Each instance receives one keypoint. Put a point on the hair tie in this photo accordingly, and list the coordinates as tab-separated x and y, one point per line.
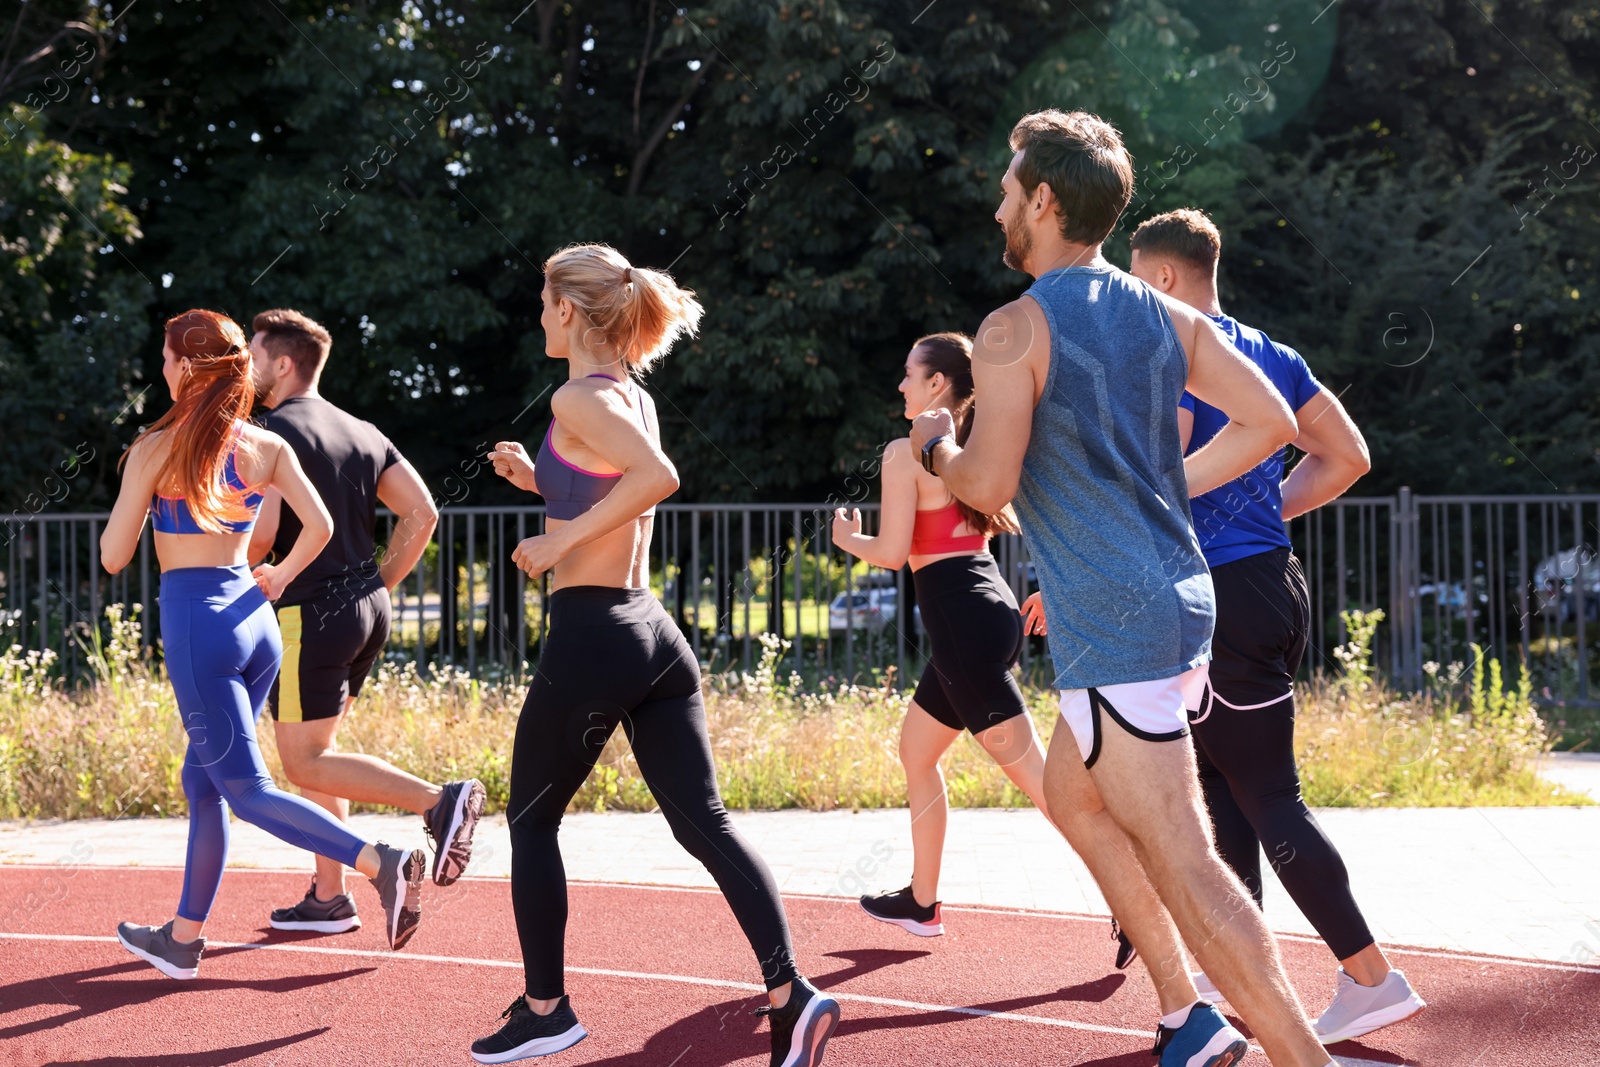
627	275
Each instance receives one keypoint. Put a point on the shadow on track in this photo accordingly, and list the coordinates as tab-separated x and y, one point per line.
214	1058
96	990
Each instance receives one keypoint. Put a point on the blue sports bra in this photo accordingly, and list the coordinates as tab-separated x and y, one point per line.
170	514
568	490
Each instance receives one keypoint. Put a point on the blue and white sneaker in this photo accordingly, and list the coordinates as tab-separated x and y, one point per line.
1205	1040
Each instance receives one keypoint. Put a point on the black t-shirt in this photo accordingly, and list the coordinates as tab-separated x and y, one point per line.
343	457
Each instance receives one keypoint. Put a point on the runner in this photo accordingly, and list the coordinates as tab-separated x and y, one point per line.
1244	734
1077	387
335	614
615	656
972	624
199	472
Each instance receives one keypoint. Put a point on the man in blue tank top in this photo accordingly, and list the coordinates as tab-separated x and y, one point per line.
1244	734
1077	390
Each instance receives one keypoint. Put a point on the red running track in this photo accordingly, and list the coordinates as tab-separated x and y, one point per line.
662	978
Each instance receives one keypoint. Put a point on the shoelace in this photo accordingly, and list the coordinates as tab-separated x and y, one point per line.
509	1011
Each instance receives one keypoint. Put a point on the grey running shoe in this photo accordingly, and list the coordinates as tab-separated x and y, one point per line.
801	1028
155	946
1357	1009
319	916
399	886
450	824
526	1034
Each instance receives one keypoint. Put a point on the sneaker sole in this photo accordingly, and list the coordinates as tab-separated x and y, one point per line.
1223	1050
910	926
405	918
811	1032
182	974
472	799
1376	1020
539	1046
318	926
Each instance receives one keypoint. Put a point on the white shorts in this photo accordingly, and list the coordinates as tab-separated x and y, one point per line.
1151	711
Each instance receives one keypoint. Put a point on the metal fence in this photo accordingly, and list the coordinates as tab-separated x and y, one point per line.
1518	576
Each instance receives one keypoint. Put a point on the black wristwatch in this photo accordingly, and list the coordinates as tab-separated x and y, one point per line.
927	453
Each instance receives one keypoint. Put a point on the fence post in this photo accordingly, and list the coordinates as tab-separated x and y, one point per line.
1407	601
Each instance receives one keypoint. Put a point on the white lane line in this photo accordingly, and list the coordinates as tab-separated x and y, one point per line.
641	976
976	909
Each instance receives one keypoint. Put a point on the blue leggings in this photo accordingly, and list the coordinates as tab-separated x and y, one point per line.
222	650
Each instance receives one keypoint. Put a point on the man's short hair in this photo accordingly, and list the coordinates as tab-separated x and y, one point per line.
301	338
1187	234
1082	158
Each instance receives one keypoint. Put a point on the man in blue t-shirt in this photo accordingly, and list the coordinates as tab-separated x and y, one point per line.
1244	731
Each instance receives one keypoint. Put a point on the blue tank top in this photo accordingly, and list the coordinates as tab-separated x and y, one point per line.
1103	501
569	490
171	515
1245	517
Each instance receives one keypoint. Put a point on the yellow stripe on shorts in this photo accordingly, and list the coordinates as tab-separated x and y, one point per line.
289	673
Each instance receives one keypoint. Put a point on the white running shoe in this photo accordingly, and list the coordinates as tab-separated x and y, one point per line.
1206	989
1357	1009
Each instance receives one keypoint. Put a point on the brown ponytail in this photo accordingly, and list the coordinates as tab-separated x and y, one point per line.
640	312
217	394
950	354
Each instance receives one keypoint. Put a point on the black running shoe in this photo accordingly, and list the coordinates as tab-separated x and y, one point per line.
902	909
526	1034
1126	953
319	916
399	886
801	1028
450	824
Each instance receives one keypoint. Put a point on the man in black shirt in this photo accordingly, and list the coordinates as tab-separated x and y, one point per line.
335	614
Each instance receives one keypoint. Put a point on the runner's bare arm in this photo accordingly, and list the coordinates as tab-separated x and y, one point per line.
316	525
266	529
1010	357
120	539
1259	419
896	517
1336	456
402	490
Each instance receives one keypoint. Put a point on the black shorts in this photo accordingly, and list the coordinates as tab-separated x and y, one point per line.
1263	620
975	632
329	645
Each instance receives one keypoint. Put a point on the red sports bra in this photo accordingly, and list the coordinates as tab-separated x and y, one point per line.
934	531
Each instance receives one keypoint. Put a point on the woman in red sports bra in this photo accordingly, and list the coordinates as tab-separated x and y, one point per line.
971	619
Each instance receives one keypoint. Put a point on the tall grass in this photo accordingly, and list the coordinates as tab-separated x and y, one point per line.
114	746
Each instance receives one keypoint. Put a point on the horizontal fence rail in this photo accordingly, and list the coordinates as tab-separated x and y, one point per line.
1516	576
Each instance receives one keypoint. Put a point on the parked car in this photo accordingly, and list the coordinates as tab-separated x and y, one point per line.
1556	581
865	609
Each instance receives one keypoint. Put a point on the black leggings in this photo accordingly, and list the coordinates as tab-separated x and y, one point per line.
615	656
1244	742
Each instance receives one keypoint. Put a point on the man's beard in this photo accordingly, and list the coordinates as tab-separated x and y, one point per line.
1019	243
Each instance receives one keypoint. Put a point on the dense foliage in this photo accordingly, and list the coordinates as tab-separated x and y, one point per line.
1407	190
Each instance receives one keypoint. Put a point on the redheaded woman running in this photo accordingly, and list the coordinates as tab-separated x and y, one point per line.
199	472
614	656
971	620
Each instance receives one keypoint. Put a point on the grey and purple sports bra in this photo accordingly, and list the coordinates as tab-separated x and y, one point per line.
569	490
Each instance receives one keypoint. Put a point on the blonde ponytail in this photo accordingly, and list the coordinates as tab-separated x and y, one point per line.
640	312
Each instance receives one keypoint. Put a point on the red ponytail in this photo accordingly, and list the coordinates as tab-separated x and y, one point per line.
216	396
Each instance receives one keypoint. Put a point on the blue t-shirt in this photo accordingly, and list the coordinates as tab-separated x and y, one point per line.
1245	516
